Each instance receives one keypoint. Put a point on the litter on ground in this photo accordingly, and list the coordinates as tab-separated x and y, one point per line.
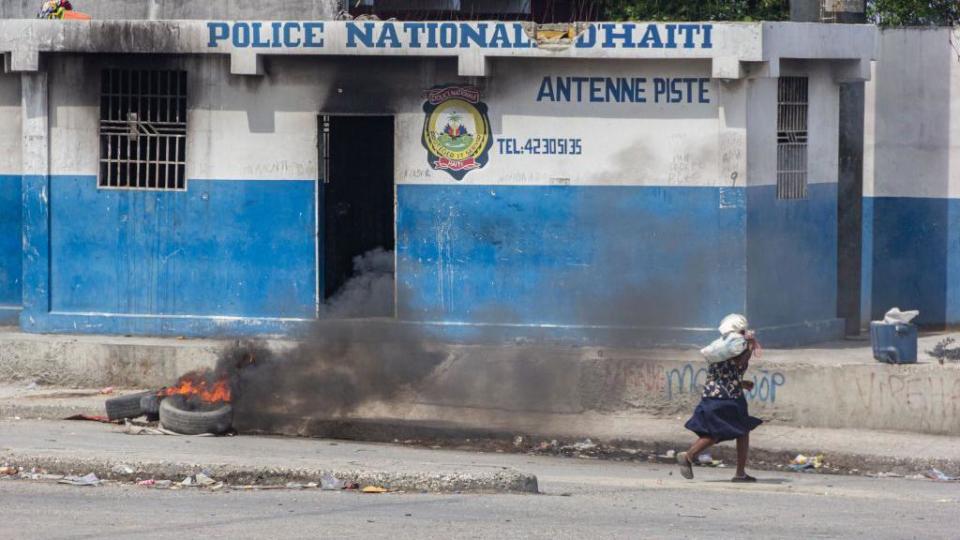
331	483
939	476
90	418
88	480
805	463
122	469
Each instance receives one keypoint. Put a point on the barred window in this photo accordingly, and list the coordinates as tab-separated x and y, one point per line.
792	104
143	129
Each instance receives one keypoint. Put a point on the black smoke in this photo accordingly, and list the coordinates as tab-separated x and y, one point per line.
350	357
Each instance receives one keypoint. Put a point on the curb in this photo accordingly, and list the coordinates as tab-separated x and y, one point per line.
51	411
504	481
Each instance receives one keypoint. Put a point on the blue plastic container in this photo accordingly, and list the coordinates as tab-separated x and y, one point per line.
894	343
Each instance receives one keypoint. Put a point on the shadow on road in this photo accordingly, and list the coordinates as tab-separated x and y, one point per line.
775	481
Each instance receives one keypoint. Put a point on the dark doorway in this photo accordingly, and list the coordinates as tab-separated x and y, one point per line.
356	181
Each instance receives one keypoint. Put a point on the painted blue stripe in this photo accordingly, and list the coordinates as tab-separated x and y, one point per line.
602	264
915	260
866	263
953	263
221	248
570	255
10	248
617	264
35	214
792	254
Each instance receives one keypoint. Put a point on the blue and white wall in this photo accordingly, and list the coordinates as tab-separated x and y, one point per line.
792	244
233	253
10	169
911	208
664	222
656	231
627	238
236	253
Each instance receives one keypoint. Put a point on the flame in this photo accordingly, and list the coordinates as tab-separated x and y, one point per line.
196	384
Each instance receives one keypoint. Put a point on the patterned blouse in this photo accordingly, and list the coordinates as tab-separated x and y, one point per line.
723	378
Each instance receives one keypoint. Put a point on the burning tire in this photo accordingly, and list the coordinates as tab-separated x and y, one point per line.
175	415
150	404
127	406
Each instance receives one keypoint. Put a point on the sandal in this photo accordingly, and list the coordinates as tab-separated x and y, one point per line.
686	468
746	478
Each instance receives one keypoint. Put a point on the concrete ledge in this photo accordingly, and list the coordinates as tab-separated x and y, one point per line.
85	361
9	315
242	475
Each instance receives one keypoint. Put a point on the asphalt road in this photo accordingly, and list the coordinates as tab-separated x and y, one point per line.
581	499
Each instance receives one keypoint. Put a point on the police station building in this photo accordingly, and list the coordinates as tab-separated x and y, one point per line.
627	183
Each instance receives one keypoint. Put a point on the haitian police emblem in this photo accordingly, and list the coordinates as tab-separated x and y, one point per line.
456	130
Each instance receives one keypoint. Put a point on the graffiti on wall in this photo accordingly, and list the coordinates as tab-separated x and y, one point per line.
926	401
456	130
689	380
686	381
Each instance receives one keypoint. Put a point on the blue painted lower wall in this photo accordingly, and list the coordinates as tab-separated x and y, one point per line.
600	264
914	257
120	261
866	263
792	263
10	248
571	260
610	264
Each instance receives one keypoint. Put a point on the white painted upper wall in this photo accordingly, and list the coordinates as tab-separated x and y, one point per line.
652	143
817	41
823	121
762	126
912	115
10	134
954	157
822	124
236	131
263	128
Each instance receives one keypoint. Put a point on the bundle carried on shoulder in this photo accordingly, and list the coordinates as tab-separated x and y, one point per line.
725	348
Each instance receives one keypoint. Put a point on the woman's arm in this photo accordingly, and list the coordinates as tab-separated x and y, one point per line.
743	360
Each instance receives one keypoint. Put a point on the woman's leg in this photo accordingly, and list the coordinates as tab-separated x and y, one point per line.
699	446
685	459
743	449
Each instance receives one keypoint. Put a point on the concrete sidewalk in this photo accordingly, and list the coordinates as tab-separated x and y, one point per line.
623	435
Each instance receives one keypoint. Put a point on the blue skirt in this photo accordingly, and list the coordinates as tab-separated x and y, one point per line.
722	419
